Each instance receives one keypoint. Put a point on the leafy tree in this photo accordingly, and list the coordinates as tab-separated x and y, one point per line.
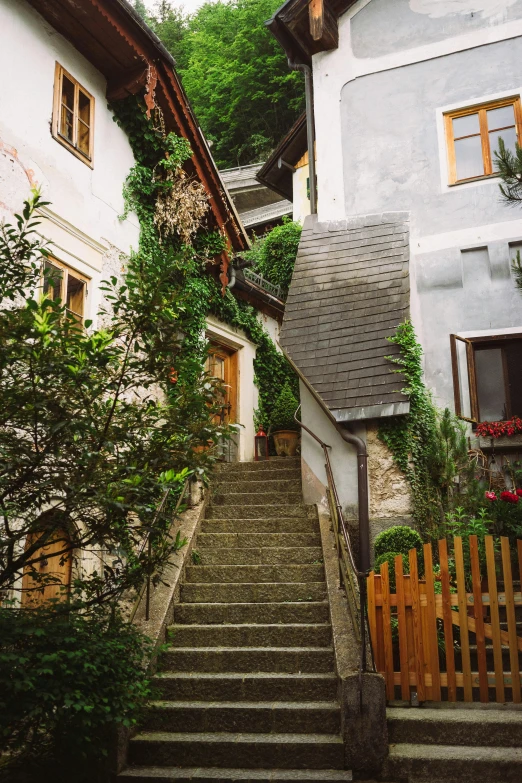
509	165
274	254
85	445
235	74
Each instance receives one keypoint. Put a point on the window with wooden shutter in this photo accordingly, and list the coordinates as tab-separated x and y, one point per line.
472	137
73	115
68	285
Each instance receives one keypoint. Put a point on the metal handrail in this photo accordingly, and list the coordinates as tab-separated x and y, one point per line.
359	622
145	588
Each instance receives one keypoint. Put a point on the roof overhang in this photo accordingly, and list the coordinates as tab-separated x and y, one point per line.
276	172
306	27
112	36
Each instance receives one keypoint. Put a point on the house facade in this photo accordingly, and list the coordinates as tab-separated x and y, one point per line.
64	62
410	99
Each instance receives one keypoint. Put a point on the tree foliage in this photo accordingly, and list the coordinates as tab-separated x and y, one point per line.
274	254
86	446
235	74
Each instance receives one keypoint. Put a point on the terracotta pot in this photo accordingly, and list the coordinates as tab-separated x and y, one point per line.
285	442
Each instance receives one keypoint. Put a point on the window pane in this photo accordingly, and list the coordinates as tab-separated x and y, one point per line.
491	390
468	155
465	126
53	278
68	93
84	108
83	138
501	118
66	123
509	137
514	364
462	361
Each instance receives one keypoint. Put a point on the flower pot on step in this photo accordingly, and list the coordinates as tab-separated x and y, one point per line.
285	442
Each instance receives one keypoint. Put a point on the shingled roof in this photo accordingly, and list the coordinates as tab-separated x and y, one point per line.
349	292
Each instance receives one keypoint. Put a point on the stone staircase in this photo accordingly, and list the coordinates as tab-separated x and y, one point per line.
455	744
248	687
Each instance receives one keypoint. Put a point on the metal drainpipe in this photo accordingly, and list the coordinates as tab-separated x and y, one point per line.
232	279
310	130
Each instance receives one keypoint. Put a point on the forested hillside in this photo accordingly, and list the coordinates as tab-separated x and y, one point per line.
234	72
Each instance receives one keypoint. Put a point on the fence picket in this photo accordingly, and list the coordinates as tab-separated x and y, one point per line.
431	622
386	620
511	619
446	617
479	618
417	625
463	618
403	633
495	619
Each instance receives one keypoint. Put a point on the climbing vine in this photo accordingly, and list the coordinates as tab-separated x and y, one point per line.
181	231
415	440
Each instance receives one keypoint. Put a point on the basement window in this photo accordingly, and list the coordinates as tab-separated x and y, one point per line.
472	137
487	377
70	287
73	115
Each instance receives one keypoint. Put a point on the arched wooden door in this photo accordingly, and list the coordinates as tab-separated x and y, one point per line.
222	364
54	564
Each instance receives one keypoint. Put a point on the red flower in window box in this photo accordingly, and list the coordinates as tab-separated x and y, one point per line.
509	497
519	492
495	429
490	496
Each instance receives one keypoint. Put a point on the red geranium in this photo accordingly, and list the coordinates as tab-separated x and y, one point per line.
495	429
519	492
509	497
490	495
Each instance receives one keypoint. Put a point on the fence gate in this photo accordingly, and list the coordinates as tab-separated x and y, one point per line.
452	635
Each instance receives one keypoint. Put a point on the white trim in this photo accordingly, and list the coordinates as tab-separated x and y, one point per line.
498	332
469	238
45	212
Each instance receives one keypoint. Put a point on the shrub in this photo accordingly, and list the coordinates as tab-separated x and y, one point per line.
284	410
274	254
66	682
389	557
400	539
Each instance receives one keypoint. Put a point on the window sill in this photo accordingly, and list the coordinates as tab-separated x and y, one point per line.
493	444
64	143
483	177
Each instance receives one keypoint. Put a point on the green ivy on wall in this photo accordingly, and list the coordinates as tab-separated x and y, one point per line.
157	155
414	439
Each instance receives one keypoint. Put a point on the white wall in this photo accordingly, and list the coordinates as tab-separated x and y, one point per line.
85	202
300	200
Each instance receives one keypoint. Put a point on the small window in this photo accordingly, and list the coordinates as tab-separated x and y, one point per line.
73	115
487	377
61	282
472	136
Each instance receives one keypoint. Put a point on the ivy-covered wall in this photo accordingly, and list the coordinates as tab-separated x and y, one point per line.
173	220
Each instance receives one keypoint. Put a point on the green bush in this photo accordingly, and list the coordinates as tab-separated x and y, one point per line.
283	413
389	557
399	538
67	681
274	255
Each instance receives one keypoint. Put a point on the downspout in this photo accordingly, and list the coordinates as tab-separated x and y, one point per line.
232	278
310	129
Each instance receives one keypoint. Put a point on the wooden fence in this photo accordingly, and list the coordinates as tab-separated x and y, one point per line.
451	636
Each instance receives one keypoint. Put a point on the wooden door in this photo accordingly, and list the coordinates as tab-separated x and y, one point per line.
222	364
54	564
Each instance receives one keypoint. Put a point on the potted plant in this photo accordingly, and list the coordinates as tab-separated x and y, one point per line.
285	429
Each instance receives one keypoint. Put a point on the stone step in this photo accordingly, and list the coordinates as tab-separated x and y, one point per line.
210	775
262	511
249	751
478	727
231	541
252	593
242	716
453	764
249	659
266	555
280	464
246	686
280	635
258	613
257	483
270	473
256	498
268	525
224	574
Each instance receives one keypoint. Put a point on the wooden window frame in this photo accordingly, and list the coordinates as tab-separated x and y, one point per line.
60	72
66	270
487	156
472	344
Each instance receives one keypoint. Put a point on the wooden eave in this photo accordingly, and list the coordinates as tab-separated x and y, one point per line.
290	149
112	36
306	27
